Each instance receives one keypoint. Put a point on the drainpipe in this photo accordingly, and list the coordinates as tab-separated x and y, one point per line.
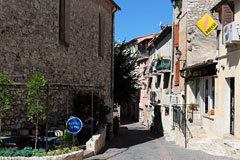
112	69
172	71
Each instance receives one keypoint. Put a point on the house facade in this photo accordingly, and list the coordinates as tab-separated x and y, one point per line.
226	118
195	65
159	77
141	44
66	44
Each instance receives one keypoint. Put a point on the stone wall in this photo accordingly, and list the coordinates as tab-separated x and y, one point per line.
198	44
78	155
29	44
98	141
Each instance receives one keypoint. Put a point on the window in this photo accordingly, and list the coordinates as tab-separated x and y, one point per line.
206	96
157	84
101	33
213	92
197	91
166	80
64	24
150	82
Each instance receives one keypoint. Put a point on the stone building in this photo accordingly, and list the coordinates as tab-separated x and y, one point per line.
225	122
160	58
142	43
68	41
195	65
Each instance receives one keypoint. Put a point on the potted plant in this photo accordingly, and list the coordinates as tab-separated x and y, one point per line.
193	107
166	111
211	112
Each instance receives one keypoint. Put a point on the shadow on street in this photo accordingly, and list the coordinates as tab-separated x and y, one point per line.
129	136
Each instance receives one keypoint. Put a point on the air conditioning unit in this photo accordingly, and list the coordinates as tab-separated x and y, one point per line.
231	33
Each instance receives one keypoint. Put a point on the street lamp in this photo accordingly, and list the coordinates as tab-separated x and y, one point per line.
178	54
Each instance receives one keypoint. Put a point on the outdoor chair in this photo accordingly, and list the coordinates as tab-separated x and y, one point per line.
53	127
23	139
9	140
61	126
52	141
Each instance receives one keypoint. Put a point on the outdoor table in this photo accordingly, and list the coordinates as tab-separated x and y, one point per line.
4	137
49	139
6	143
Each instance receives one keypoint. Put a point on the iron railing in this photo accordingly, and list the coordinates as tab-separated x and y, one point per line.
179	119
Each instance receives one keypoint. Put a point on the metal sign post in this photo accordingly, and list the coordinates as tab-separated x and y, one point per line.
74	125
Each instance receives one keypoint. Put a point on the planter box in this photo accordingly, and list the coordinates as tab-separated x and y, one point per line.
77	155
97	142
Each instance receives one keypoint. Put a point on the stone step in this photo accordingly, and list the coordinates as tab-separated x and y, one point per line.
87	154
197	140
197	131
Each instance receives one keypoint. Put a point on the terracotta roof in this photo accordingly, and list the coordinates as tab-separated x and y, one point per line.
142	38
160	37
142	58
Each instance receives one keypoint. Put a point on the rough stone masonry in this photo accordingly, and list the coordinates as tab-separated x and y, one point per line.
29	44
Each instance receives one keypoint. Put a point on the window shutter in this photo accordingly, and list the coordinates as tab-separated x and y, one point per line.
227	14
177	75
176	43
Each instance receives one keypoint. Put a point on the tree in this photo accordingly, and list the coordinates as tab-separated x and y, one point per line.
36	100
125	74
6	96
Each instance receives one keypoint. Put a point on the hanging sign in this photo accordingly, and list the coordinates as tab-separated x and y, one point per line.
74	125
207	24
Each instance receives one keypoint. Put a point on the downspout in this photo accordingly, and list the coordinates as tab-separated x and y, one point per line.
172	71
112	69
185	84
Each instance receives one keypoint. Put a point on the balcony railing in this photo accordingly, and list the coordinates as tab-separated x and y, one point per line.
163	64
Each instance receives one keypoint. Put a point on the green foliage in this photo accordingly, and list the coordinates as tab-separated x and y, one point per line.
179	4
6	96
35	99
29	152
82	107
125	74
67	139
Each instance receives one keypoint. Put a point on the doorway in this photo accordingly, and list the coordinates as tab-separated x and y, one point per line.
232	105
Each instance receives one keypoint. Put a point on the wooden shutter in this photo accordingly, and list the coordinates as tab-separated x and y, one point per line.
227	14
177	73
176	43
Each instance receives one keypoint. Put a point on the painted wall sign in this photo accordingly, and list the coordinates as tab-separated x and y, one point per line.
207	24
74	125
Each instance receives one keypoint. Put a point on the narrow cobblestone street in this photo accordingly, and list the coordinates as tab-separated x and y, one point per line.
134	142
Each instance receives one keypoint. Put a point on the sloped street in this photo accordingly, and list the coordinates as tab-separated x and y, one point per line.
135	142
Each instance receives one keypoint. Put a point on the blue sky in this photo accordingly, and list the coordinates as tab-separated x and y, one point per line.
141	17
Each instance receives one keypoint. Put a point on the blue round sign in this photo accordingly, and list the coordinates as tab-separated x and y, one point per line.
74	125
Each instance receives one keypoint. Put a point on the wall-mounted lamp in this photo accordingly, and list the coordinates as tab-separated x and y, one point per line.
178	55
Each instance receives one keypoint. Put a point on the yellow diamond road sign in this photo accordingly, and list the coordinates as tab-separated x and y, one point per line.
207	24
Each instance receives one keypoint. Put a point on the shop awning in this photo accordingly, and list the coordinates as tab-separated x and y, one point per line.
199	70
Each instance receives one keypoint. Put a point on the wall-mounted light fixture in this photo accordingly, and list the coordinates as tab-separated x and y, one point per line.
178	55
